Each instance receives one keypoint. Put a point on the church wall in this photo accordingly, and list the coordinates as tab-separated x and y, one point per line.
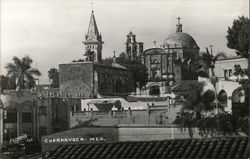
77	78
177	71
113	80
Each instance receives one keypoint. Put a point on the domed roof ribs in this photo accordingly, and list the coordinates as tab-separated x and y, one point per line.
179	26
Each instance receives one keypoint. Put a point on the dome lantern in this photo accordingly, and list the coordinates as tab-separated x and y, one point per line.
179	26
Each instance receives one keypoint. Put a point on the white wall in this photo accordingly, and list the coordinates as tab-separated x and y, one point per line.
220	66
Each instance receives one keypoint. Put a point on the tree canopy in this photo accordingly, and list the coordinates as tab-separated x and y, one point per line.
194	114
138	70
7	83
238	36
22	71
53	75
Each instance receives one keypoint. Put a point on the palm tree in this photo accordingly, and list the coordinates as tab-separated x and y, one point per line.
196	101
22	71
208	61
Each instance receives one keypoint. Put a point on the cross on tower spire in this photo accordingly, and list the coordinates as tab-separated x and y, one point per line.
179	18
179	25
92	6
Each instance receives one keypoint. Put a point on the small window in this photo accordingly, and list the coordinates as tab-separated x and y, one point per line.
225	74
230	72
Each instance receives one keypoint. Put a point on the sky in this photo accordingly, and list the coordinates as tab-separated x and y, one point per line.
52	31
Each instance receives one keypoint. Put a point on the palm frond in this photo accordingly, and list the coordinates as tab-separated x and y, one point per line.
28	77
34	71
17	61
207	51
219	55
11	69
26	62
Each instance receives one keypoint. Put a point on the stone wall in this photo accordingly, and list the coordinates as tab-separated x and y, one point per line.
76	79
112	80
87	79
153	115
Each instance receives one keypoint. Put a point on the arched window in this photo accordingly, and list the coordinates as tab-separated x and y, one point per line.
222	97
154	90
239	107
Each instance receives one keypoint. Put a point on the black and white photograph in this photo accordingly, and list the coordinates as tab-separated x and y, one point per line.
124	79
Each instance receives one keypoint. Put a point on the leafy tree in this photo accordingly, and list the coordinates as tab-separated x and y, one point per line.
194	114
138	70
243	79
7	83
53	75
193	68
196	104
3	82
238	37
23	73
196	99
241	74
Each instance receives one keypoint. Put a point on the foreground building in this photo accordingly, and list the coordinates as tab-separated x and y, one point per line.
47	110
229	88
182	148
111	134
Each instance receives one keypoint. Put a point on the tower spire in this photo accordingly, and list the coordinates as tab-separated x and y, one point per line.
93	34
93	39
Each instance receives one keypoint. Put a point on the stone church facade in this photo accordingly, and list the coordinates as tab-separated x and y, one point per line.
167	65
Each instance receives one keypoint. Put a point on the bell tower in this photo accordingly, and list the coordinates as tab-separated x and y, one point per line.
93	41
133	48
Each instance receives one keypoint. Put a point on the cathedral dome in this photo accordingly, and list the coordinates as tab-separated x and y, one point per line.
180	39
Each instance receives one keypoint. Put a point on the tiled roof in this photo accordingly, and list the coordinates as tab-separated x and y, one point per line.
180	39
228	148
